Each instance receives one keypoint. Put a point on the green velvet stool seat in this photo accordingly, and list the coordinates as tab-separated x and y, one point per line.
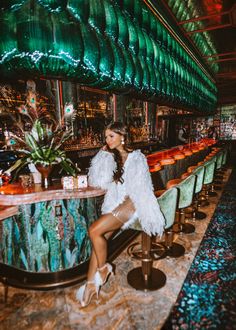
224	161
208	179
199	172
168	204
218	176
211	187
220	168
186	190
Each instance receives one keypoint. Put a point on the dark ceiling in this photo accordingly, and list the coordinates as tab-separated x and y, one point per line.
225	41
219	18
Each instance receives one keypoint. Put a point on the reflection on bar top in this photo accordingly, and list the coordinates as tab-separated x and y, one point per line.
169	153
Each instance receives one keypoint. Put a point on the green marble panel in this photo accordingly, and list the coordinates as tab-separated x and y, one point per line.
49	236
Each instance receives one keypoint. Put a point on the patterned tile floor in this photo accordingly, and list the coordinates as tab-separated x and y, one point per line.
119	306
207	299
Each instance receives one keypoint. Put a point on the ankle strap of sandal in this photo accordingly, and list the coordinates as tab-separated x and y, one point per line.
103	267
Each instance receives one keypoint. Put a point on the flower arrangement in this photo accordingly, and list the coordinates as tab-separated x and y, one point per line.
42	144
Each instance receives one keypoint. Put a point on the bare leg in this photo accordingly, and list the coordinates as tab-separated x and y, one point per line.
93	265
105	224
99	232
102	232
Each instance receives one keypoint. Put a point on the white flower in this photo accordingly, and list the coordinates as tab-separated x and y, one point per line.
68	109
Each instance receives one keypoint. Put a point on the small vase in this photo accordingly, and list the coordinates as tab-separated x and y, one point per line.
45	172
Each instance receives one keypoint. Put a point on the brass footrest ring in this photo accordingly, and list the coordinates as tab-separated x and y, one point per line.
157	251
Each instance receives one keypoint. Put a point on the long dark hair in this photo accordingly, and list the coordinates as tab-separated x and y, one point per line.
121	129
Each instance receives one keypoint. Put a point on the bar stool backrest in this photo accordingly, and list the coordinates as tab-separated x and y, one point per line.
219	160
209	171
186	191
225	152
168	203
199	172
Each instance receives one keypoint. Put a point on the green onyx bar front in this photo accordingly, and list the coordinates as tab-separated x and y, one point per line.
49	236
44	242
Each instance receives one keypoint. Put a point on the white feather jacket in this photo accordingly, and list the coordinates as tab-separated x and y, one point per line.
137	185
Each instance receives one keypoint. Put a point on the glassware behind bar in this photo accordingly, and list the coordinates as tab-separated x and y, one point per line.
4	178
26	180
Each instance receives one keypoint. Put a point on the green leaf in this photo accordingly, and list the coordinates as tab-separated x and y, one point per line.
68	168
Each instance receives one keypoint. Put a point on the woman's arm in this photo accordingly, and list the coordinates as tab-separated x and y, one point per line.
101	170
140	190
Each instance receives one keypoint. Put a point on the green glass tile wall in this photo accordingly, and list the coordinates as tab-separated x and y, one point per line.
114	45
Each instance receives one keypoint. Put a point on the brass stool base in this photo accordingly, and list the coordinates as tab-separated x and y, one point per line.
212	193
158	251
157	279
185	228
200	215
175	251
205	203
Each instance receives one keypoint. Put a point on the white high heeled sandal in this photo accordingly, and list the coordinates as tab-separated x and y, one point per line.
97	281
109	272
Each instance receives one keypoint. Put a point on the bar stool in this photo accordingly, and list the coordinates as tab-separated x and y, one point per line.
221	170
168	204
199	172
211	188
216	183
186	188
224	161
146	278
208	179
219	165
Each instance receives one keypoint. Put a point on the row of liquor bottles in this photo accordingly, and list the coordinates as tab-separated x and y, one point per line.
84	137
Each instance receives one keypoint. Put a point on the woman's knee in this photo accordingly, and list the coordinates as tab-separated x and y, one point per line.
100	227
92	231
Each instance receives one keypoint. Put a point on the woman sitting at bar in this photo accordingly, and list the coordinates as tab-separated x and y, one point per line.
124	174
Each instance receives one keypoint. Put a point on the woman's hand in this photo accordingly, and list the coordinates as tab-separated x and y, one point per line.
104	148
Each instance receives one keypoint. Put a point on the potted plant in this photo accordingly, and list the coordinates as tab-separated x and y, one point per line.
42	145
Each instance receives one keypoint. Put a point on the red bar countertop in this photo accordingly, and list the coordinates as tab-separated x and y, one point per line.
15	194
185	149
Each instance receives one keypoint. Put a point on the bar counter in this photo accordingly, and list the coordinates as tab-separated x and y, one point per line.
181	149
44	233
44	240
15	194
169	164
7	211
